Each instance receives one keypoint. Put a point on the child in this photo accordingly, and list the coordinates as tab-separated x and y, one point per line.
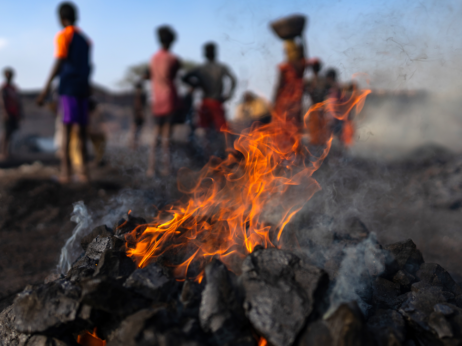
72	65
163	70
11	107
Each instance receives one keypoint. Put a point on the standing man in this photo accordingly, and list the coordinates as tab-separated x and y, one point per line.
210	78
12	111
72	65
162	72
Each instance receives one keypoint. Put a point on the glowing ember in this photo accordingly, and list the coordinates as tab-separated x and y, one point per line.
225	212
262	342
90	339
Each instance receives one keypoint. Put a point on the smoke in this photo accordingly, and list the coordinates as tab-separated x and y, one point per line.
71	250
353	279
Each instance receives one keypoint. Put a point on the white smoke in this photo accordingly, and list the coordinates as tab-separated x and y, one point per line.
353	279
71	250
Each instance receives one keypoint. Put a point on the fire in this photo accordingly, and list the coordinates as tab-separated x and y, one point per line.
262	341
225	213
90	339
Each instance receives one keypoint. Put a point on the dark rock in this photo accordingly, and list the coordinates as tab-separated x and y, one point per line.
221	311
435	275
443	309
103	231
42	340
157	327
387	327
191	294
404	280
115	264
107	294
407	255
279	293
152	283
9	336
81	269
345	327
385	293
97	247
46	307
438	323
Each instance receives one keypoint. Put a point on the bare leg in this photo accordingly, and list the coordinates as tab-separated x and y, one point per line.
82	134
65	158
165	135
152	154
5	145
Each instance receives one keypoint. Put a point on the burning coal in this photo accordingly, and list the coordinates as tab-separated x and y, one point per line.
223	215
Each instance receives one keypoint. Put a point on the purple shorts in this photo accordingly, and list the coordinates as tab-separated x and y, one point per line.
74	110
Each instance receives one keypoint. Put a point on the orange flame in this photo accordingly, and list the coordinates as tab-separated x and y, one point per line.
240	202
90	339
262	341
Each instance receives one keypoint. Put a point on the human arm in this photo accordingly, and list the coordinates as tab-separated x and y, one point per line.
53	74
233	84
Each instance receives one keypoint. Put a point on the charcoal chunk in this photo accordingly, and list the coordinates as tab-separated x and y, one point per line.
221	311
46	307
9	336
435	275
107	294
404	280
438	323
407	255
385	293
345	326
115	264
42	340
97	247
103	231
156	327
279	293
151	282
387	327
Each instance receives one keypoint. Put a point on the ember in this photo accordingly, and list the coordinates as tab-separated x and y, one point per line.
90	339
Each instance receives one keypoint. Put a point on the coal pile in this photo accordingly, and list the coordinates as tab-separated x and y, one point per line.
343	289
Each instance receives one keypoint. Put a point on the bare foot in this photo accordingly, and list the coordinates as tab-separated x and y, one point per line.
165	172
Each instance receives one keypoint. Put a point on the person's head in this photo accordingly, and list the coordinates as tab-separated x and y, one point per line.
248	97
8	72
316	65
67	13
139	86
166	36
331	76
294	51
210	51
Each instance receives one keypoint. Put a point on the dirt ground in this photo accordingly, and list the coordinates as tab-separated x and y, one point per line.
35	210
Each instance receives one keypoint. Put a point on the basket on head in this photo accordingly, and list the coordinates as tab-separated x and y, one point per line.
289	27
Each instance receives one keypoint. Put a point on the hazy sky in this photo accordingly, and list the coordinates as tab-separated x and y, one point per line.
398	43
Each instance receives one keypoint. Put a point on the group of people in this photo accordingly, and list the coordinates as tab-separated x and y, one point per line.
216	81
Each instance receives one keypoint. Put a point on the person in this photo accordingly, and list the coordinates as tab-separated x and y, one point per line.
210	77
253	109
164	67
12	111
96	132
316	85
72	65
289	89
139	107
